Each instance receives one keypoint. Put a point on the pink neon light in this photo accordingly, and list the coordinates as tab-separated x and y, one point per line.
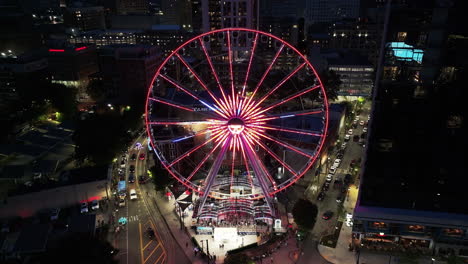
290	98
186	154
212	68
171	104
56	50
203	161
250	63
80	48
242	105
230	63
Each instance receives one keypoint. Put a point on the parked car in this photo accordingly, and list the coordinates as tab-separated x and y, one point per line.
337	163
339	199
84	207
121	202
343	146
142	179
132	168
356	138
133	194
133	157
329	178
54	214
332	170
339	155
95	204
364	129
131	178
350	131
321	196
361	122
142	156
347	137
327	215
122	164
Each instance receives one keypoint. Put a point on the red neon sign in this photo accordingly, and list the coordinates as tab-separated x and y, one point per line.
56	50
80	48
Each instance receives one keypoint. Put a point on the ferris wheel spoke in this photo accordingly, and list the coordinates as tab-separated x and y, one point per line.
285	79
289	98
202	162
282	143
266	73
187	153
170	103
179	86
252	52
185	122
194	74
246	164
269	151
291	130
208	58
291	114
230	65
182	138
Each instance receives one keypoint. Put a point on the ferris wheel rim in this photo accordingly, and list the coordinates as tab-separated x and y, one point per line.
189	184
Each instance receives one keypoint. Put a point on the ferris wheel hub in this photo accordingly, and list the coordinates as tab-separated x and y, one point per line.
235	125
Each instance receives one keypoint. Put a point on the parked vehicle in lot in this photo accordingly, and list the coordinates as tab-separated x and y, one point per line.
132	168
347	137
131	178
54	214
339	155
361	122
95	204
339	199
337	163
142	156
364	129
332	170
343	146
121	202
350	131
327	215
329	178
321	196
84	207
133	157
142	179
133	194
122	164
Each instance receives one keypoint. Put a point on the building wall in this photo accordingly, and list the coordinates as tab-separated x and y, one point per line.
85	18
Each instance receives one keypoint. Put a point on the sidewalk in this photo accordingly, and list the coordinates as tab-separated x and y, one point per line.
181	236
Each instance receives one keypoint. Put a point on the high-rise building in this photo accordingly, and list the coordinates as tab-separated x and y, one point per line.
127	70
166	37
125	7
218	14
85	18
319	11
101	38
414	172
177	12
72	65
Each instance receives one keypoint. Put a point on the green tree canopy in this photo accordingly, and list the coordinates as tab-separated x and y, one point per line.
238	258
161	178
305	213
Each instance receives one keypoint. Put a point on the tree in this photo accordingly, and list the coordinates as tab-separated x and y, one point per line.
238	258
81	248
100	137
96	90
331	81
305	213
161	178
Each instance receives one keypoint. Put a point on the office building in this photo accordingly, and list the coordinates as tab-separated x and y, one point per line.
101	38
320	11
85	18
125	7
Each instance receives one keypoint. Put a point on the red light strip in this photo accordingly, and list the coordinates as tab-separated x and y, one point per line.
212	68
80	48
56	50
283	144
230	64
171	104
203	161
187	92
289	98
276	157
264	75
186	154
250	63
197	77
184	123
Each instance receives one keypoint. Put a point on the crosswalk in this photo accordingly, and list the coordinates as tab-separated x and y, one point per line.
133	218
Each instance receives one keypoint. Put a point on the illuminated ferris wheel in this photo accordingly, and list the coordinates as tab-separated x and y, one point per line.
236	114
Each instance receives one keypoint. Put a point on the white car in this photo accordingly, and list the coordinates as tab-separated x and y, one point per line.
95	204
350	132
133	194
329	177
332	170
361	123
337	163
364	130
84	208
347	137
343	146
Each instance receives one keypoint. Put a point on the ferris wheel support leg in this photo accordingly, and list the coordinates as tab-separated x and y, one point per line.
211	176
261	176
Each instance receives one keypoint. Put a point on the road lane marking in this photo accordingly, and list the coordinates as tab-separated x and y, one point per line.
141	243
149	243
149	256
